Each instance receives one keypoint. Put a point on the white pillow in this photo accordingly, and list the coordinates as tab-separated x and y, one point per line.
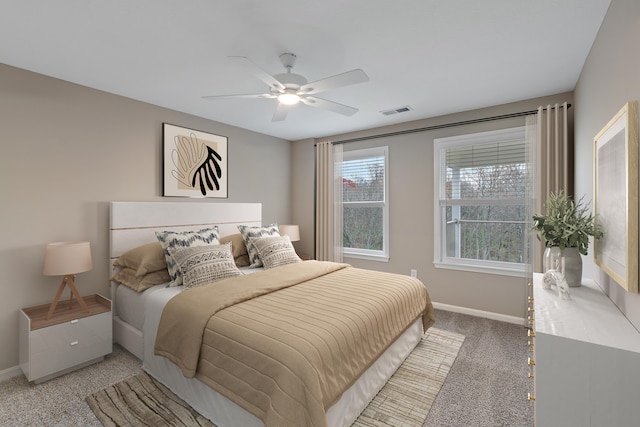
275	251
201	265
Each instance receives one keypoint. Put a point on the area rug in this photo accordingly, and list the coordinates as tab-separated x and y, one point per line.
403	402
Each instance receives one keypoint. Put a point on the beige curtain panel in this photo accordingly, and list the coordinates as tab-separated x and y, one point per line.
328	202
550	159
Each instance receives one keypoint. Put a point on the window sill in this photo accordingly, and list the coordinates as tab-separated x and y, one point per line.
380	258
502	271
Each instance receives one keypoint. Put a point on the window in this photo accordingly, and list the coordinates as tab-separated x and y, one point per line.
481	189
365	209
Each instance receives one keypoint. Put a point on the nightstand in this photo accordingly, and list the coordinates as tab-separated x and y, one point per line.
71	340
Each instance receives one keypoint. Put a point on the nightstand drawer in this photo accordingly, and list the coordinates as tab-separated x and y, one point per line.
62	346
72	338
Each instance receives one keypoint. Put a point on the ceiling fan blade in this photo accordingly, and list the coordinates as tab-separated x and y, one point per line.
345	79
314	101
257	71
281	112
249	95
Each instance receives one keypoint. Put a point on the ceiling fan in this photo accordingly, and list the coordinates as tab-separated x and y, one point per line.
290	88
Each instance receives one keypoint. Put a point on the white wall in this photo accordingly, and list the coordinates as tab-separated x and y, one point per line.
67	151
609	79
411	219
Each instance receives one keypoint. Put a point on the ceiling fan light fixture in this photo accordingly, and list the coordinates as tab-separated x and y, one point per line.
289	98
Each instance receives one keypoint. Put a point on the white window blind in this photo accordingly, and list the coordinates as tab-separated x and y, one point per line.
480	218
365	208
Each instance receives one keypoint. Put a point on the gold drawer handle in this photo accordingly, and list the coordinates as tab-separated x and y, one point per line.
530	284
531	309
529	299
529	375
531	334
531	362
530	397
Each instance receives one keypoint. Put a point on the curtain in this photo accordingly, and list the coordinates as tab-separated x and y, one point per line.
328	202
547	134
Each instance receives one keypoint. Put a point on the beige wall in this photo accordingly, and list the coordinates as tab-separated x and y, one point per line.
411	212
609	79
67	151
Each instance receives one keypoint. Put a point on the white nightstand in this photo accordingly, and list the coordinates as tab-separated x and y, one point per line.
70	340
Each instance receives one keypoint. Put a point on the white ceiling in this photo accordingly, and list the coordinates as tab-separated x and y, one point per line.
437	56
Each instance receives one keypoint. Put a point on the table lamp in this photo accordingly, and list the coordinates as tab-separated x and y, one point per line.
293	231
67	259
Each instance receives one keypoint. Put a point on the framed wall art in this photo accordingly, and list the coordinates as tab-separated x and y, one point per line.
616	197
194	163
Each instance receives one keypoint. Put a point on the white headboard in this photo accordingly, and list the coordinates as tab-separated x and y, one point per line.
134	223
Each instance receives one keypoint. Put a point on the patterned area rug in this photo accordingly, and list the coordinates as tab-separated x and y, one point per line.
403	402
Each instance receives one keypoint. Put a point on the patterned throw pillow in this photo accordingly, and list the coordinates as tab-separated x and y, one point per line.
201	265
249	233
184	239
276	251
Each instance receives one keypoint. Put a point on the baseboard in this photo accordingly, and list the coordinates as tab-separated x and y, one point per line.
10	373
480	313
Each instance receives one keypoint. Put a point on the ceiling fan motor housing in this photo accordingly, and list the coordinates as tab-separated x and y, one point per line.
291	80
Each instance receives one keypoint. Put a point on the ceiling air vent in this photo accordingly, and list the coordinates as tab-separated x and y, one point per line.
404	109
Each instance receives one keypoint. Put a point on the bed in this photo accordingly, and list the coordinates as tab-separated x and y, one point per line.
138	316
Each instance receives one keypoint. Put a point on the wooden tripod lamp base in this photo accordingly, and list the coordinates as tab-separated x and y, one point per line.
67	280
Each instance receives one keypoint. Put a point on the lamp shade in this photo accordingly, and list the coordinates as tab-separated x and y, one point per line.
293	231
63	258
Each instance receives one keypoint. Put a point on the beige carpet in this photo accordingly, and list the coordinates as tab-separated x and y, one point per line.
404	401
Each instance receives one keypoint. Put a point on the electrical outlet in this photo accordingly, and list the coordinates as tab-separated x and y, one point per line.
414	272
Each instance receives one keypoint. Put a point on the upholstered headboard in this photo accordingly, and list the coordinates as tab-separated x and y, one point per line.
134	223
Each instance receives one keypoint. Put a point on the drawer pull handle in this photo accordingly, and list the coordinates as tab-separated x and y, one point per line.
74	343
531	309
530	397
74	321
529	375
531	334
531	362
530	299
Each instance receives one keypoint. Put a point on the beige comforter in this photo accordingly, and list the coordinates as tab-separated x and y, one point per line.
289	355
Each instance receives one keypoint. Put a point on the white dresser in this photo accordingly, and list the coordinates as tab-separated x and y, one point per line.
585	359
69	340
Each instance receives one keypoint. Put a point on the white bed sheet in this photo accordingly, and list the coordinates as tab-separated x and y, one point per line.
130	304
225	413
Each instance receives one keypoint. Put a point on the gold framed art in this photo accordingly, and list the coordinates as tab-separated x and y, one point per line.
616	197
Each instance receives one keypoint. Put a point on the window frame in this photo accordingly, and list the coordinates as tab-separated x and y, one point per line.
440	257
371	254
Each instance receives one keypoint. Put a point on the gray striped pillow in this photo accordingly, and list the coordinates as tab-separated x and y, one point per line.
248	233
184	239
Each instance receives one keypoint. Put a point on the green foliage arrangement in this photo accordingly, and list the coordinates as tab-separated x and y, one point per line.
567	224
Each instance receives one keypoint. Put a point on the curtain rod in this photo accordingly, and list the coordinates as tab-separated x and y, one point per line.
443	126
